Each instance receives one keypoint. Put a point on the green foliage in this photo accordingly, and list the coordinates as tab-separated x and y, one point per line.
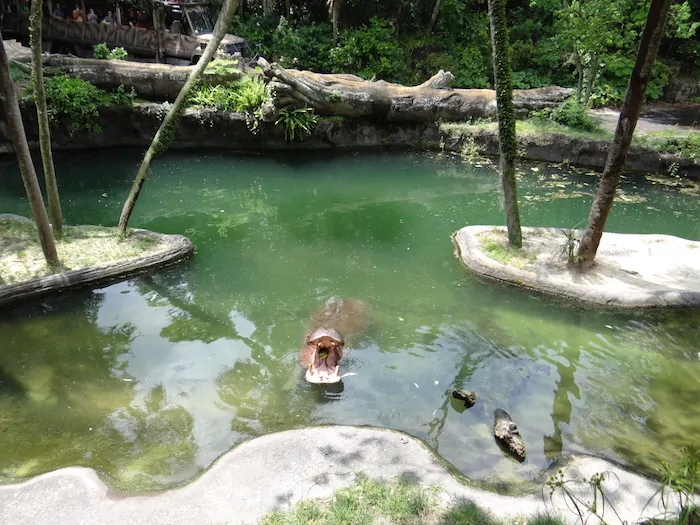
389	40
371	50
569	113
17	74
103	52
78	102
687	146
614	76
298	122
241	96
221	67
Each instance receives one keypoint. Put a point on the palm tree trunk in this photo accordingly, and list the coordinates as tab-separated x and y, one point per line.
636	89
506	117
592	74
169	124
35	28
15	128
433	17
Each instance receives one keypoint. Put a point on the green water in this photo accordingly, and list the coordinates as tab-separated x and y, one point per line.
150	380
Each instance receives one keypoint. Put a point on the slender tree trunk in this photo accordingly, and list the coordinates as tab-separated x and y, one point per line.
15	128
169	124
288	8
592	74
579	72
334	12
35	28
433	17
506	117
636	89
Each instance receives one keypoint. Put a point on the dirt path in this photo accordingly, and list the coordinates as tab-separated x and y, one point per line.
656	118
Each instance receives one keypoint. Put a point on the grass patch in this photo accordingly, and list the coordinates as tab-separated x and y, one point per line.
684	144
495	245
369	502
524	128
21	257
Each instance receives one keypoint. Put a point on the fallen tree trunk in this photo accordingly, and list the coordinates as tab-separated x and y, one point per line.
149	80
351	96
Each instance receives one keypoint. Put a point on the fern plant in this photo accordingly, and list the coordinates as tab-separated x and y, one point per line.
298	122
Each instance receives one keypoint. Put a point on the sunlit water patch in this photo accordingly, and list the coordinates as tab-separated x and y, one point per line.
151	379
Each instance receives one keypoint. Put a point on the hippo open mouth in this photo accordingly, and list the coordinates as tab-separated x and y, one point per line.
324	349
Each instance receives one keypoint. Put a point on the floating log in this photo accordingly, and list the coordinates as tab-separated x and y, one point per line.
506	431
468	397
352	96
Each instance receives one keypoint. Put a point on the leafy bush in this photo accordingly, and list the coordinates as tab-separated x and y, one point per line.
242	96
102	51
78	102
614	77
371	50
306	47
297	122
569	113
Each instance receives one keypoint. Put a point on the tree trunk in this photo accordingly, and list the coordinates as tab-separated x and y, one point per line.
287	8
334	12
169	124
15	128
629	113
433	17
579	72
351	96
35	28
592	74
506	117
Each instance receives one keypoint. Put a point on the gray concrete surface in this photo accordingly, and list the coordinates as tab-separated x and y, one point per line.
275	471
630	271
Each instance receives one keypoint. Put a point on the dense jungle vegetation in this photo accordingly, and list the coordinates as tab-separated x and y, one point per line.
588	44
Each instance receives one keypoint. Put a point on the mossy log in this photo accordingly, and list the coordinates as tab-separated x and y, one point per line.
149	80
352	96
507	433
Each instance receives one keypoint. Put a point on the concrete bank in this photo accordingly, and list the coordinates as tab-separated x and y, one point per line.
205	128
276	471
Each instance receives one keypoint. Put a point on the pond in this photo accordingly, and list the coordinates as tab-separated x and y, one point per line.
150	380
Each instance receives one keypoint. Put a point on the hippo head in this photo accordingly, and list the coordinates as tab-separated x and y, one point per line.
324	350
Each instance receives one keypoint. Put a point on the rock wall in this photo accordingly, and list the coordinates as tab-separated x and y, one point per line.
213	129
682	90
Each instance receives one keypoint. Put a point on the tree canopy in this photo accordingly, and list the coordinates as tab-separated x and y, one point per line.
408	41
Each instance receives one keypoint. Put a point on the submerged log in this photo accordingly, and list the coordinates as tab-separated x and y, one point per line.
468	397
352	96
506	431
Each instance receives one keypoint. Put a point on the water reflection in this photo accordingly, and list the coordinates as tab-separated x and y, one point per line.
150	380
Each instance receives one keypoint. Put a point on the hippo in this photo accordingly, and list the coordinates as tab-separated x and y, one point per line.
325	339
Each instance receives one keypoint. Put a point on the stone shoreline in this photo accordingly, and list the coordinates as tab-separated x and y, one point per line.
631	270
176	248
275	471
205	128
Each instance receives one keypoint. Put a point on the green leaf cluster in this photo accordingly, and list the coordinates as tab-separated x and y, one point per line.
103	52
569	113
241	96
298	122
77	102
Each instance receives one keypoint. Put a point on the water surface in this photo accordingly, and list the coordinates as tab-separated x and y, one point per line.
151	379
